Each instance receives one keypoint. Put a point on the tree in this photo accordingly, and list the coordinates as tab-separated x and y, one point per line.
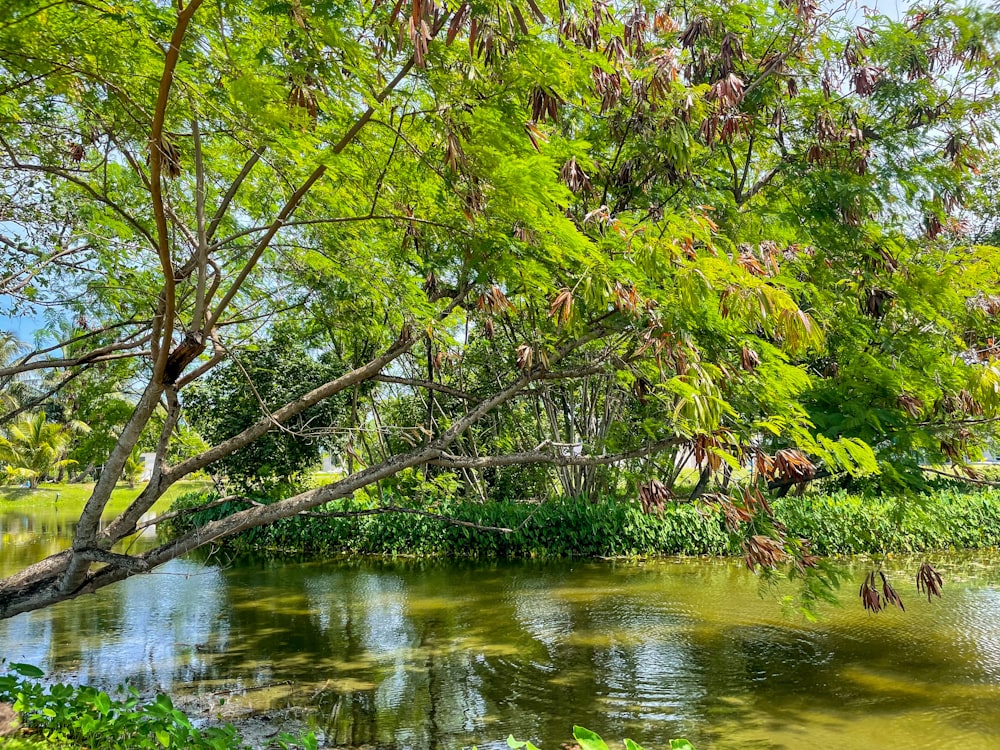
34	448
13	390
251	385
709	211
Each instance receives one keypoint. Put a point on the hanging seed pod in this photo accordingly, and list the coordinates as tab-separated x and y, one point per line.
728	91
730	52
301	98
170	157
929	581
525	357
911	404
454	156
699	27
792	465
296	14
876	303
574	177
889	595
562	306
653	497
544	104
870	598
762	551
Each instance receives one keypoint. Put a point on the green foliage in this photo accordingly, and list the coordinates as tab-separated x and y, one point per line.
836	523
735	230
85	716
555	528
944	518
588	740
259	379
33	448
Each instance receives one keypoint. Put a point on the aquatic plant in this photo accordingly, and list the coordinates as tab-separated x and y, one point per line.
588	740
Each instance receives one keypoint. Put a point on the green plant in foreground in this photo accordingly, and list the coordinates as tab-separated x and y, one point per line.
588	740
71	715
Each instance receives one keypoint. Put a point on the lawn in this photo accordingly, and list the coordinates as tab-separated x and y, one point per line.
72	497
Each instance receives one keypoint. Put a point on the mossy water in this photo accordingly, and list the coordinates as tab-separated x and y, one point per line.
439	654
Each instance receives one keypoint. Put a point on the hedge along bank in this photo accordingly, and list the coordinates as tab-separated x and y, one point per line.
837	523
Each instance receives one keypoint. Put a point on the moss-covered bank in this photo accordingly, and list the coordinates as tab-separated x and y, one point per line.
836	523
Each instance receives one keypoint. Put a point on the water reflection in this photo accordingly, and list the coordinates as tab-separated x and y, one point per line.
427	655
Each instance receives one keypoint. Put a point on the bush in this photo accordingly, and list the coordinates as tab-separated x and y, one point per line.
67	716
64	714
945	518
835	523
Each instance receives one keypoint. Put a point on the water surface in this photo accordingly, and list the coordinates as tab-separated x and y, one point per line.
445	655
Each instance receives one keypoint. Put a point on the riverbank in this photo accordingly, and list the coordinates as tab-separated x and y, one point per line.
38	714
837	523
74	495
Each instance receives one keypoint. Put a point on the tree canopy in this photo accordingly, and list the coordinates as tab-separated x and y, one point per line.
604	237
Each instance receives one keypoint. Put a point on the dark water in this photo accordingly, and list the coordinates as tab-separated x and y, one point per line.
431	654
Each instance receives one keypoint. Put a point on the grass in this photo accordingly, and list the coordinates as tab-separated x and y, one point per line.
72	496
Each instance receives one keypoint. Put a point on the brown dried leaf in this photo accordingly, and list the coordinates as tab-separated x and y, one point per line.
457	21
525	357
562	306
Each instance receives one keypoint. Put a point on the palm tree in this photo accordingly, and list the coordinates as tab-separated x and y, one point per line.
13	390
34	447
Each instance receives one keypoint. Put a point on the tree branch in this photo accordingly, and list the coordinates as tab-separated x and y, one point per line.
166	327
427	384
234	187
551	456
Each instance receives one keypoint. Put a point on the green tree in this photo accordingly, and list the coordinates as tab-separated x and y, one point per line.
33	448
712	211
254	382
13	390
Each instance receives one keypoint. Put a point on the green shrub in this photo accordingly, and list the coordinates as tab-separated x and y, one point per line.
67	716
946	518
835	523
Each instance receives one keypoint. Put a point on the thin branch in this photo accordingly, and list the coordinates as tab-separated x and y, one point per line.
41	399
427	384
410	511
201	254
186	511
342	220
220	213
94	193
60	363
550	454
961	478
101	354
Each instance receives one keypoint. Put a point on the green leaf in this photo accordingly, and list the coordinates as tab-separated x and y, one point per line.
588	740
26	670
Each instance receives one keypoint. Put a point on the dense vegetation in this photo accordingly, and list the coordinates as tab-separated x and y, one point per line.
837	523
521	250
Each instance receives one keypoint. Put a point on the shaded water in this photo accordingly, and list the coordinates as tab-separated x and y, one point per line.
434	654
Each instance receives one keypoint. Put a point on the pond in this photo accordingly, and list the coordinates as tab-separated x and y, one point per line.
407	654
